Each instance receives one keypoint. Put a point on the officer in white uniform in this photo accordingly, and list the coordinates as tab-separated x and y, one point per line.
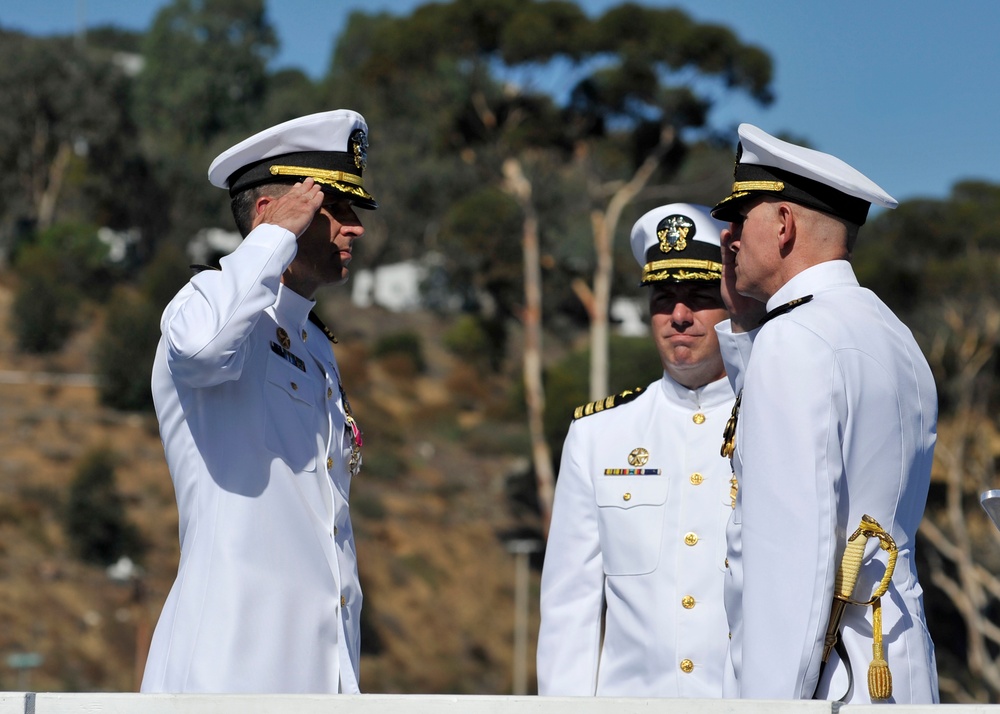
258	432
837	420
637	537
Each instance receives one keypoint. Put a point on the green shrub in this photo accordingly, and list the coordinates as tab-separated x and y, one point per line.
45	305
406	344
124	353
477	341
95	521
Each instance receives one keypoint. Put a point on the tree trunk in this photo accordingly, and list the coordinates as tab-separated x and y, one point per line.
518	186
47	196
604	226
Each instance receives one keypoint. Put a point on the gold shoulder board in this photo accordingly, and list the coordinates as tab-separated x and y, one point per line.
607	403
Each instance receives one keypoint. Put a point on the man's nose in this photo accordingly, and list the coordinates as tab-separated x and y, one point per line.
354	226
682	314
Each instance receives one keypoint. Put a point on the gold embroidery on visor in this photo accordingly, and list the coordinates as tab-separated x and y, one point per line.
318	175
682	270
743	186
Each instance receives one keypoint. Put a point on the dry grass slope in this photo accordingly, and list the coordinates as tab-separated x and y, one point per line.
428	511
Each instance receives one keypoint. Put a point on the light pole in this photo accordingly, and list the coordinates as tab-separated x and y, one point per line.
522	548
125	572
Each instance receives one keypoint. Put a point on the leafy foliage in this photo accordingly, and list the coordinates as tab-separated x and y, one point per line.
124	354
95	519
477	341
404	344
64	264
205	69
65	107
926	250
44	311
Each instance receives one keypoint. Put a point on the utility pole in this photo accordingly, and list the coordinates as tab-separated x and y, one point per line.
522	550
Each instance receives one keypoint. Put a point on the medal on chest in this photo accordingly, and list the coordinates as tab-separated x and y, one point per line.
729	446
357	441
355	436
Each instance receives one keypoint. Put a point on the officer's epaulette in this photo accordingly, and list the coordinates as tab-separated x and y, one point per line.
314	319
607	403
782	309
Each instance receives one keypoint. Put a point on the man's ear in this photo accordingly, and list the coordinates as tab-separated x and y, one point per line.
261	203
785	217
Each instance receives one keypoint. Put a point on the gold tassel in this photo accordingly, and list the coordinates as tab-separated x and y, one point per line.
879	675
729	433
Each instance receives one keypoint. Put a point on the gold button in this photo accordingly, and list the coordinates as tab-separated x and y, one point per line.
329	392
627	497
697	478
343	601
295	387
687	602
687	666
335	530
690	538
329	462
304	335
727	562
698	418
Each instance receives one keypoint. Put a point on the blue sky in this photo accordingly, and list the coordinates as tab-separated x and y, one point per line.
908	92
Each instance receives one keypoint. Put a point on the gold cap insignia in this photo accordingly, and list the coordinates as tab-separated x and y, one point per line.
674	232
359	147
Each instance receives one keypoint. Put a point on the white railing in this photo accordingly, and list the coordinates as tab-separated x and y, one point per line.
52	703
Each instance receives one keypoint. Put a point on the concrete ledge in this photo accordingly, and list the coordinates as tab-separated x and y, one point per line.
120	703
13	702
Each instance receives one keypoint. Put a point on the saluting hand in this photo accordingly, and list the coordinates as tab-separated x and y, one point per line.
745	312
294	210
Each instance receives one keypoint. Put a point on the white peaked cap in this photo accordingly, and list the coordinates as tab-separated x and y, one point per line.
767	165
678	242
330	147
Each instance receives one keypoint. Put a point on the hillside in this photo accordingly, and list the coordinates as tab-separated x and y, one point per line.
430	508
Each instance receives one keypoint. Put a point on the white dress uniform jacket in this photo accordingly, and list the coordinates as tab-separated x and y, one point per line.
650	548
838	419
267	597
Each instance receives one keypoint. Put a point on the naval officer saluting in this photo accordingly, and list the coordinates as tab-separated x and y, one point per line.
258	432
643	496
835	432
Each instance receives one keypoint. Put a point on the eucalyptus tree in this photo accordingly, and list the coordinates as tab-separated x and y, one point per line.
525	94
65	113
203	84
